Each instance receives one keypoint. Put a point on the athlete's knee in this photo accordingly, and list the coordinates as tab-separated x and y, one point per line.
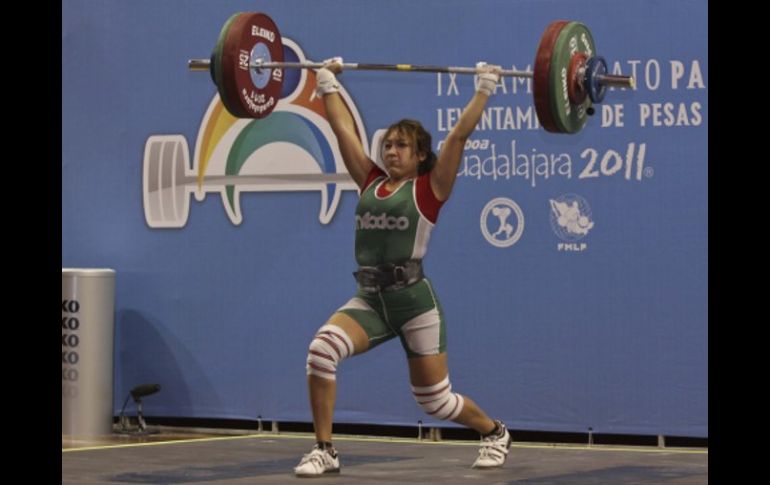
438	400
329	346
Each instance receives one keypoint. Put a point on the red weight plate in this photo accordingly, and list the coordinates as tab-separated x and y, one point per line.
576	87
541	75
245	92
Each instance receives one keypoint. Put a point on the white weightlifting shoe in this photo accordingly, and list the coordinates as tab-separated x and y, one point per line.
318	462
494	449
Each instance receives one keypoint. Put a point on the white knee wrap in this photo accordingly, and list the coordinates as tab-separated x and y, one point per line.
438	400
329	346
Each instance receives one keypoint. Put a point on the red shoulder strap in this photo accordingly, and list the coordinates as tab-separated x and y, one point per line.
374	173
427	202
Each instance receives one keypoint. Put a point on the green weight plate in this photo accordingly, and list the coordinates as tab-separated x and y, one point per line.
217	59
573	38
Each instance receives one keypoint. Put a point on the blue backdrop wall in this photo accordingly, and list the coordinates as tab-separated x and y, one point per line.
601	324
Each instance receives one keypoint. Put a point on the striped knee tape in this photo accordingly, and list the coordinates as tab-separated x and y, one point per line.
438	400
329	346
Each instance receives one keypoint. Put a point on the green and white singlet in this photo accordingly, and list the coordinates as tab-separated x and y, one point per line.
393	228
390	227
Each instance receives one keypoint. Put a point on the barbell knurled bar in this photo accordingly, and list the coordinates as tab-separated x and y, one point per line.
605	80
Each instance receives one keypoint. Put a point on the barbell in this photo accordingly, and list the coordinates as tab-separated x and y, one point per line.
247	67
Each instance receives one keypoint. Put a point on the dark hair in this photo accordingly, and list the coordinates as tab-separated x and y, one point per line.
422	141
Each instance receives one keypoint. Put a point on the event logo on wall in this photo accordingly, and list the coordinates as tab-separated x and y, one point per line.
293	149
571	220
502	222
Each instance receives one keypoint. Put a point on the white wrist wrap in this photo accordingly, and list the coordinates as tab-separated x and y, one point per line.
487	82
327	82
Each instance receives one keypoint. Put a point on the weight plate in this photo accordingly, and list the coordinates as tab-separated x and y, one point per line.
576	78
541	79
216	57
246	92
572	39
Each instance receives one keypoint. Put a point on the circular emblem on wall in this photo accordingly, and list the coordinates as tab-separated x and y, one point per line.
502	222
570	217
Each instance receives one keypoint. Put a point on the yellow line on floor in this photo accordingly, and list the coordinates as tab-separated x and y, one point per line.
158	443
310	437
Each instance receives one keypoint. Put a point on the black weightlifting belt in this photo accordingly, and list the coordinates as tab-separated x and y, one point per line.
388	277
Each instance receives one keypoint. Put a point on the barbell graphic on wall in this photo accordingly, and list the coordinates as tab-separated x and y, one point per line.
247	67
168	182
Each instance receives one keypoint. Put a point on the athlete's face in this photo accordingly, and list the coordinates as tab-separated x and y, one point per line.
399	155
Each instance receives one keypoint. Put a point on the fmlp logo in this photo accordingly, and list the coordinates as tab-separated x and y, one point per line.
571	220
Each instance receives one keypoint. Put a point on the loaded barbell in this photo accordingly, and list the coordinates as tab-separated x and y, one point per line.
568	78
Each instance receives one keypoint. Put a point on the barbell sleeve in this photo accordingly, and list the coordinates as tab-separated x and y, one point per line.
199	64
617	81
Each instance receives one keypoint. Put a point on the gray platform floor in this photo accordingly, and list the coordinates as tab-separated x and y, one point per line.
269	459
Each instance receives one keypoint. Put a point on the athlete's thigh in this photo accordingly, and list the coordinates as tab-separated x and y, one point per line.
416	315
427	370
353	329
363	316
